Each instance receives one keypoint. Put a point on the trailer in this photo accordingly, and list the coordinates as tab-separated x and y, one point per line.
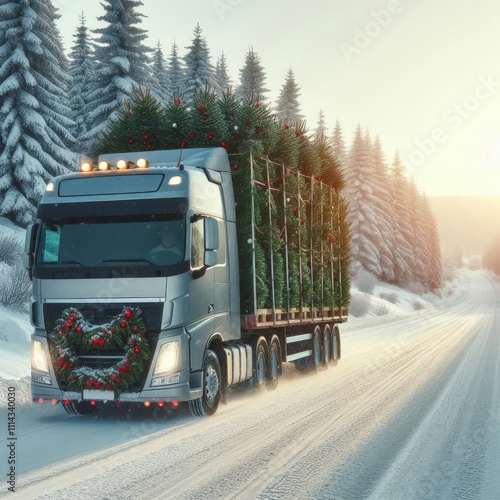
164	277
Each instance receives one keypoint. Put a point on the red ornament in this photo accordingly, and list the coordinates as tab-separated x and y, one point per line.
122	369
224	144
123	324
302	222
201	109
137	350
191	137
210	137
236	167
128	313
297	133
295	211
109	388
257	104
205	118
146	137
177	101
258	157
287	126
73	316
133	342
131	141
78	329
150	146
135	329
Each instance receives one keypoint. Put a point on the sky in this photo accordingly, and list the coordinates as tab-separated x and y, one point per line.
424	76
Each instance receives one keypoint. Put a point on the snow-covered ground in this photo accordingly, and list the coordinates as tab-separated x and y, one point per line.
411	411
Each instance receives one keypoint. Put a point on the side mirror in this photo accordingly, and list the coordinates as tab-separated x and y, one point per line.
211	258
211	234
29	247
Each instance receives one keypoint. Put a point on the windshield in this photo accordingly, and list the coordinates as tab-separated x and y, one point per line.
110	242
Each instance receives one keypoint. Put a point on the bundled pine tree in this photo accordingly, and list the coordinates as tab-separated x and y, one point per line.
34	110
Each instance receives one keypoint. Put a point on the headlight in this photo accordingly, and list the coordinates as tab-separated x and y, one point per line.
39	358
167	357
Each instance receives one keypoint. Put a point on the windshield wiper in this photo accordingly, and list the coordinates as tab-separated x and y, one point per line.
65	262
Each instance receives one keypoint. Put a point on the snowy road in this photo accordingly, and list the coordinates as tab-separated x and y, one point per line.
411	411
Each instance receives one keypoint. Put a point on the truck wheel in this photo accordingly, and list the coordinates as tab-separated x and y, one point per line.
274	362
335	346
318	354
209	402
261	363
79	408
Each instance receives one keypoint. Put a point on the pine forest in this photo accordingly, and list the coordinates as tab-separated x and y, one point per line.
111	92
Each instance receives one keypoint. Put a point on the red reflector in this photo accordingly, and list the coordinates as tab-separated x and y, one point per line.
66	401
41	400
93	403
161	404
147	404
54	401
175	404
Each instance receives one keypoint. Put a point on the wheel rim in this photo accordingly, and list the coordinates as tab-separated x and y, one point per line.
261	368
211	384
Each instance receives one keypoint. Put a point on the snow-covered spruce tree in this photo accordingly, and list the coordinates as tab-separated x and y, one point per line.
417	220
34	110
175	72
161	84
363	218
288	107
199	71
252	78
321	132
122	65
338	144
434	267
404	238
222	80
82	72
385	211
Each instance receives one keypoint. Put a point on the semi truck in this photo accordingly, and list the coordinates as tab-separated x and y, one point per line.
165	277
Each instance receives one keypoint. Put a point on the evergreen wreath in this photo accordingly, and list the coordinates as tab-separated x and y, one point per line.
124	332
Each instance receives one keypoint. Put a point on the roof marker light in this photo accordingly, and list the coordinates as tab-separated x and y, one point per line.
104	165
175	180
142	163
122	164
86	166
50	187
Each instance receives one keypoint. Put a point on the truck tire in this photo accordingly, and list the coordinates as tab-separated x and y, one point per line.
208	403
275	366
327	345
261	364
314	361
79	408
336	350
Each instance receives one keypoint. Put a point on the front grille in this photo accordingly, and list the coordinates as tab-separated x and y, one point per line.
99	314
